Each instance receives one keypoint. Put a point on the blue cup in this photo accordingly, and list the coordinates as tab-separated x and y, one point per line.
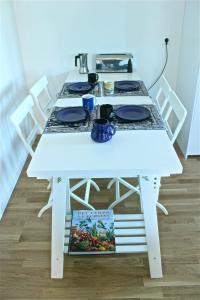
102	131
88	102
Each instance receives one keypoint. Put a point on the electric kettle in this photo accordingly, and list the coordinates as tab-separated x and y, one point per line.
83	63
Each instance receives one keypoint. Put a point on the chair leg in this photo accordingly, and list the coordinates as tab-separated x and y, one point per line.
111	182
50	184
129	186
88	183
121	199
159	205
118	197
141	206
84	201
117	193
47	206
157	185
95	185
117	190
81	201
78	185
87	191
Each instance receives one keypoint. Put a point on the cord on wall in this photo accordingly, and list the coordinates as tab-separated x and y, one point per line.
166	59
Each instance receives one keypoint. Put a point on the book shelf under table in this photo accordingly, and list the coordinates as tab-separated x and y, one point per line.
130	236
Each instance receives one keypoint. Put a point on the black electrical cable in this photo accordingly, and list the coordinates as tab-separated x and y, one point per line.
166	59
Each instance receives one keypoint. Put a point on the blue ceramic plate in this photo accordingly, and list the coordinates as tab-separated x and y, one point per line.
80	87
71	115
132	113
127	85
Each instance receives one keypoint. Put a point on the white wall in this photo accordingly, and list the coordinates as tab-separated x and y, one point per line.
12	90
189	64
194	135
52	32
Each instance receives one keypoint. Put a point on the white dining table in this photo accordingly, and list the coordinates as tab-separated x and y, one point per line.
75	76
146	154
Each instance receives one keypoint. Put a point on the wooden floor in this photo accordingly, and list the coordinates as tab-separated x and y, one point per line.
25	248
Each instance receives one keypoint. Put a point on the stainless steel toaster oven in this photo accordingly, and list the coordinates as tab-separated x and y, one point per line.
114	63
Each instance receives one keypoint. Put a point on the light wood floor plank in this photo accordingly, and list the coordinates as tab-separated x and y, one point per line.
25	247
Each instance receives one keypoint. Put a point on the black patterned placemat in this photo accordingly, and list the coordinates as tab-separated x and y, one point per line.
155	122
66	93
55	126
142	91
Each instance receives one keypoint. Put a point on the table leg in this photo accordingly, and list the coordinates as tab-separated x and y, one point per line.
156	181
149	195
60	198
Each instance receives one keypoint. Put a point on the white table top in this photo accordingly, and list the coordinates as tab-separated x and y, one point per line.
127	154
74	76
138	100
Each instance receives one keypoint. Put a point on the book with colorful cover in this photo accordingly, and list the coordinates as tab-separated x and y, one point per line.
92	232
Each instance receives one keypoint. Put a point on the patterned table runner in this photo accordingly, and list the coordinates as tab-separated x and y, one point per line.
155	122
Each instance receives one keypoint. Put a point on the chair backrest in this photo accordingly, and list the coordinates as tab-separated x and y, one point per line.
40	91
20	115
162	95
175	107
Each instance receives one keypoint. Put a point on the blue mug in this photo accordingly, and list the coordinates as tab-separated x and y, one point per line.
88	102
102	131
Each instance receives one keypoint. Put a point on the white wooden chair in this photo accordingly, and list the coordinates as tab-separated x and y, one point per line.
41	96
25	113
162	95
160	102
170	105
173	106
